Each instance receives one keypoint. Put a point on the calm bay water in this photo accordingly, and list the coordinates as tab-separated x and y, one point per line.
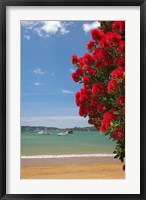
80	142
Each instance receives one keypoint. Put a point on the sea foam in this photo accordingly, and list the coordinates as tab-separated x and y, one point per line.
68	156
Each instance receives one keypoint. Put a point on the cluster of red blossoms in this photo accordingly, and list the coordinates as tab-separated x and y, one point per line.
102	72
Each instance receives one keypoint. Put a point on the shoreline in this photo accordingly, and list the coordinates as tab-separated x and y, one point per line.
83	155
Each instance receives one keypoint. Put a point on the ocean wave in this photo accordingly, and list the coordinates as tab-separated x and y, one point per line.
68	156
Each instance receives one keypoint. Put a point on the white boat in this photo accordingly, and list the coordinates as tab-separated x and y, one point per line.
44	132
66	132
62	133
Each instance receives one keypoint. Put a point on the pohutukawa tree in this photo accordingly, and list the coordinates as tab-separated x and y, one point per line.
102	73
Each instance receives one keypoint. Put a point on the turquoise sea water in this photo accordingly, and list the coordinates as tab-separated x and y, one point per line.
87	142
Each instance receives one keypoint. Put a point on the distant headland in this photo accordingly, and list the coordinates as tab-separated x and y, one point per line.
39	128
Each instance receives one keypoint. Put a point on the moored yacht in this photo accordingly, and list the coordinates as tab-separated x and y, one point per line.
44	132
66	132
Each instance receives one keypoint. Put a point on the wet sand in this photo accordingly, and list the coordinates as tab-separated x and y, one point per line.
72	168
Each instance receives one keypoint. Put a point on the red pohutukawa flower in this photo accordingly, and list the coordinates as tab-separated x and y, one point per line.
80	71
113	86
102	108
77	95
90	70
97	35
110	40
98	88
118	74
74	59
86	81
81	62
120	62
102	73
109	116
78	103
83	111
123	110
75	77
88	59
106	122
95	101
119	134
105	126
121	100
77	98
90	121
102	58
85	91
92	111
118	27
99	51
91	45
84	98
121	49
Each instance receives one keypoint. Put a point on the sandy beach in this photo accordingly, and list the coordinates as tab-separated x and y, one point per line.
72	168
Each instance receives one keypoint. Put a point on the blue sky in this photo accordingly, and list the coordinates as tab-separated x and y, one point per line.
47	89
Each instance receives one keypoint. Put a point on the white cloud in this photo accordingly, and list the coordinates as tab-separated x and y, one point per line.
66	91
27	37
39	71
88	27
29	24
37	83
46	28
63	30
51	26
52	74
